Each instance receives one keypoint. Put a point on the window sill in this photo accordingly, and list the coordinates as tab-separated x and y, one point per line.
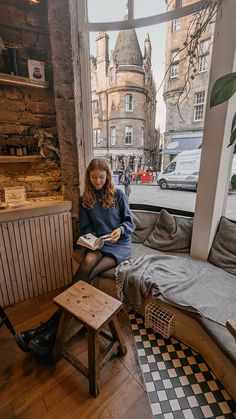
11	80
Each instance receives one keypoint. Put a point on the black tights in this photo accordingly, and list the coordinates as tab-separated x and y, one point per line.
93	264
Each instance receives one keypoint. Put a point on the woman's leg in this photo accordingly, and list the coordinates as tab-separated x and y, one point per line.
105	263
91	259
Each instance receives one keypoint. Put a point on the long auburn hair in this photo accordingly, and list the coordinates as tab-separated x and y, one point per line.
108	195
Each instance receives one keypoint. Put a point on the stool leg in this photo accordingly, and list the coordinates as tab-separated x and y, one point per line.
61	334
93	363
6	321
117	335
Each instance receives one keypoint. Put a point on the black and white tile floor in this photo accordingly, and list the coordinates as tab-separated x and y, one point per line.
179	383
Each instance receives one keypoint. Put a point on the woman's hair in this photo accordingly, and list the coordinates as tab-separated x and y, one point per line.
108	191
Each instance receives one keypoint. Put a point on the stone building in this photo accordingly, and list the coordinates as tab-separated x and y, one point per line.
186	84
124	102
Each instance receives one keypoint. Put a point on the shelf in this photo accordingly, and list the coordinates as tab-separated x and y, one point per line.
19	159
11	80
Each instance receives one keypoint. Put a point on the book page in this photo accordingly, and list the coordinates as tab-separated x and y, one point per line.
91	241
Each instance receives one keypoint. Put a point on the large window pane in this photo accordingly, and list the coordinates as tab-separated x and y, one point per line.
161	64
104	10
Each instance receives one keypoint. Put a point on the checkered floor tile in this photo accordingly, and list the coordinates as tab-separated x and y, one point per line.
179	383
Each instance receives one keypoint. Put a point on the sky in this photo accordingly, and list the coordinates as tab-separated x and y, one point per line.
112	10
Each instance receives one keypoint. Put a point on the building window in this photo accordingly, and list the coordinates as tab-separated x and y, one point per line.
113	135
128	135
96	137
199	106
128	102
142	136
176	25
95	107
203	55
174	71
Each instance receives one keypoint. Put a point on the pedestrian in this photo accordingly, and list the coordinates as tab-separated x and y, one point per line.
103	210
139	174
126	180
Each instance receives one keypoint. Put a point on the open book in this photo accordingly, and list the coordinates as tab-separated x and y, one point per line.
92	242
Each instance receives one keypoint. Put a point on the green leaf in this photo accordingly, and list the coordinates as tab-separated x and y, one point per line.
233	182
223	89
232	137
233	123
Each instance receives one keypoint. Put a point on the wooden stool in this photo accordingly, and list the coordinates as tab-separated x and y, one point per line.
94	309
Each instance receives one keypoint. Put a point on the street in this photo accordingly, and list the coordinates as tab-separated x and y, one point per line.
184	200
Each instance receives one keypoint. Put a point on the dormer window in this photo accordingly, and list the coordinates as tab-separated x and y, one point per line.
128	103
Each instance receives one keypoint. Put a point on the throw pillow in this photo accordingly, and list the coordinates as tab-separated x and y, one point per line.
171	233
144	222
223	249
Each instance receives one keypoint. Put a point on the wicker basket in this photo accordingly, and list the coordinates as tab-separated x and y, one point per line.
159	319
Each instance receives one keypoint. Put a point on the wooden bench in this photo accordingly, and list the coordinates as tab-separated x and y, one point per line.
97	311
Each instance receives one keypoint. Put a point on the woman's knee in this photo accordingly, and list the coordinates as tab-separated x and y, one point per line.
90	260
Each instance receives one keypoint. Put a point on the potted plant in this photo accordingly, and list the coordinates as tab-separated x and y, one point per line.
45	143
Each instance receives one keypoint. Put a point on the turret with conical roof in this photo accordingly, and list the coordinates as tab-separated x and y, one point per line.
127	50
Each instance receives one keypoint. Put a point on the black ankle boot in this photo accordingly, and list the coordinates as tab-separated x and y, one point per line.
23	338
43	343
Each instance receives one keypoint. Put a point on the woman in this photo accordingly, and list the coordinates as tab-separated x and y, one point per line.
104	210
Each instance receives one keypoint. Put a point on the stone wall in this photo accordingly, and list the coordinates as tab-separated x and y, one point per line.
24	30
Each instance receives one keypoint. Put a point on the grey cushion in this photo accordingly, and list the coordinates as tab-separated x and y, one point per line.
144	222
171	233
223	250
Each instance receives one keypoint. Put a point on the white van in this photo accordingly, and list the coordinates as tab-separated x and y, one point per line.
182	172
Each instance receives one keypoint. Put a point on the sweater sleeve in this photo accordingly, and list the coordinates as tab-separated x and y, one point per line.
127	225
85	221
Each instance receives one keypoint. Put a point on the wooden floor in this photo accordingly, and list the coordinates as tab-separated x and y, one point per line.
32	388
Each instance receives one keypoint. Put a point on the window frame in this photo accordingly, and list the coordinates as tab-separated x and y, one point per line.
176	25
96	137
214	117
128	134
142	136
95	107
112	137
129	102
174	69
204	55
199	105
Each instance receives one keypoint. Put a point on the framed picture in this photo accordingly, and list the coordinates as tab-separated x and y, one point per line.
36	70
15	194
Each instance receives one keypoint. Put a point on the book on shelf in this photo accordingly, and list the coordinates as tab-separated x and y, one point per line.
92	242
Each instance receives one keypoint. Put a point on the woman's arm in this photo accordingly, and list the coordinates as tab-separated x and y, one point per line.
86	225
127	225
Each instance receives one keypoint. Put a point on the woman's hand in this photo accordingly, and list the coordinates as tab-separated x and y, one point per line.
115	235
